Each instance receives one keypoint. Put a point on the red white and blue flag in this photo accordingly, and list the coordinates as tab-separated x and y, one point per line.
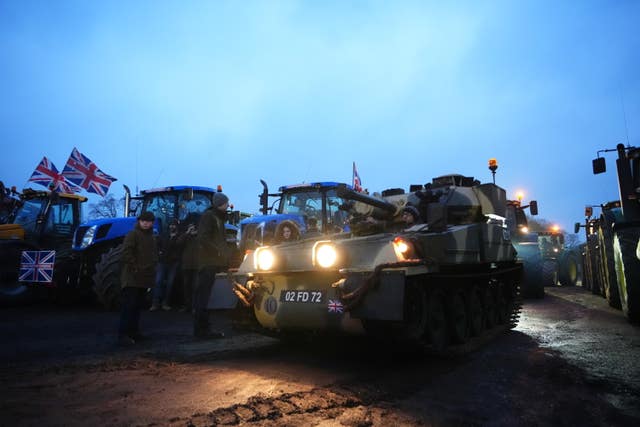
84	173
47	174
357	184
335	306
37	266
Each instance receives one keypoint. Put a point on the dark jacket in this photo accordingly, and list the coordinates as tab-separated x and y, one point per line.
189	251
139	258
170	248
213	250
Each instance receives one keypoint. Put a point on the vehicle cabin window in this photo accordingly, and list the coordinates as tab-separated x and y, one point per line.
60	220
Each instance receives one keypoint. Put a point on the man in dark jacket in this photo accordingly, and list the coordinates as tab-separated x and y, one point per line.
213	257
139	259
189	266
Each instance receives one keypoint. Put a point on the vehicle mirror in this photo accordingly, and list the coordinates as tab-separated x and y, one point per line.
588	211
599	165
576	228
533	207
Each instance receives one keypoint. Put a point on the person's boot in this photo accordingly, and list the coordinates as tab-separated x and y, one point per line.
203	331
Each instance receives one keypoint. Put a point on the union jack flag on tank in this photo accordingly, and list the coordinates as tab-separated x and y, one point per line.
37	266
335	306
357	184
46	174
84	173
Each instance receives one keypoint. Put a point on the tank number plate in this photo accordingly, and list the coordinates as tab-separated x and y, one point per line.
314	297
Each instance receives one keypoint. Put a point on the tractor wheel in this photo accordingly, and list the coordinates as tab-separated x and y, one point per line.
628	271
608	267
106	280
549	272
568	269
532	278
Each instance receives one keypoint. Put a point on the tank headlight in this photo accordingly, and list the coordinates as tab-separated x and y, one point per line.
87	239
403	248
263	258
325	254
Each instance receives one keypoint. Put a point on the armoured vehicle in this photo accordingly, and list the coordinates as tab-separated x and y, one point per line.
434	284
41	221
299	203
97	244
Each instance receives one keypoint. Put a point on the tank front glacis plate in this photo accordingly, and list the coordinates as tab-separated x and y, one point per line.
302	301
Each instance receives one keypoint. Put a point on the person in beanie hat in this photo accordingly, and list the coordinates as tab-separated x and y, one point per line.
213	257
411	216
140	259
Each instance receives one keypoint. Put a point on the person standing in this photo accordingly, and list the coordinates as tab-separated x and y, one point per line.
169	257
213	257
140	259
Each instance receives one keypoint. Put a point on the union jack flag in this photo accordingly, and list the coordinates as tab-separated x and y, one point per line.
84	173
47	174
357	184
37	266
335	306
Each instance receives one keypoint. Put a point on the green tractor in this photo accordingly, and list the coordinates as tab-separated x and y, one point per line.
42	222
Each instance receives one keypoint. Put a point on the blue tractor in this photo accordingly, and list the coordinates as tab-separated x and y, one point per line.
97	244
303	204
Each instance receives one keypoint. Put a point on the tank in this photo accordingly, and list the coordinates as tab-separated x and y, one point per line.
450	277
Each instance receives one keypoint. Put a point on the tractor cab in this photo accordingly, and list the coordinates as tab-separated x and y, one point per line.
315	203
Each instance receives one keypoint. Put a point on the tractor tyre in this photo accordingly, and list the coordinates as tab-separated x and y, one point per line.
625	243
549	272
568	269
608	266
532	280
106	280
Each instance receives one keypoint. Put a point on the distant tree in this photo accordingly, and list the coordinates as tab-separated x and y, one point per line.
108	207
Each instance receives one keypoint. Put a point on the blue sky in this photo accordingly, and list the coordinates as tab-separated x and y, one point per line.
213	92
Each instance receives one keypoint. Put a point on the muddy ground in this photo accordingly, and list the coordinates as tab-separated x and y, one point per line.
571	361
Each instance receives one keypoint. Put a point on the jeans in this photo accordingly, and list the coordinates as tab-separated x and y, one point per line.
165	277
132	300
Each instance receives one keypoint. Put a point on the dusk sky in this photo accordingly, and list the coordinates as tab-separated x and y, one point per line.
162	93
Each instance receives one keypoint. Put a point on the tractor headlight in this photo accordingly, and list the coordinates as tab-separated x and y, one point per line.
325	254
263	258
87	239
403	249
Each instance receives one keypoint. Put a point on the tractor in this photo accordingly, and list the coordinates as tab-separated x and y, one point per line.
97	244
617	233
315	202
41	222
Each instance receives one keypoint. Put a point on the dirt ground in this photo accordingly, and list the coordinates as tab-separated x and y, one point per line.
571	361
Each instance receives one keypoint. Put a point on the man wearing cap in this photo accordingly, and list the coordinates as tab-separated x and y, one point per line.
411	216
140	259
213	257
